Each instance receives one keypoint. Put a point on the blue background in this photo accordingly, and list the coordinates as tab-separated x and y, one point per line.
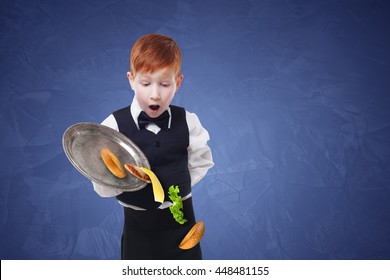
295	96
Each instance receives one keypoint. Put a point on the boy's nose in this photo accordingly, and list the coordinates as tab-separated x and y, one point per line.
155	94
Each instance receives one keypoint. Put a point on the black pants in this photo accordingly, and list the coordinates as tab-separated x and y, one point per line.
155	235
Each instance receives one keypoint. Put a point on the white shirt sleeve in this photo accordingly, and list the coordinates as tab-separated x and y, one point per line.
200	159
110	121
99	189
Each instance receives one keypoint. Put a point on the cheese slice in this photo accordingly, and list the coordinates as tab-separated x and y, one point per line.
158	191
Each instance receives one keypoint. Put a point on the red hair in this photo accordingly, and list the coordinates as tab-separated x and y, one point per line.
153	52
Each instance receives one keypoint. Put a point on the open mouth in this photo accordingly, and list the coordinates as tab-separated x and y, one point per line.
154	107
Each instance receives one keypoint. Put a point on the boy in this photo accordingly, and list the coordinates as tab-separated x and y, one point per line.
175	144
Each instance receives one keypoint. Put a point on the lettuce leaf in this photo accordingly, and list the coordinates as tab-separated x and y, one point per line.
177	207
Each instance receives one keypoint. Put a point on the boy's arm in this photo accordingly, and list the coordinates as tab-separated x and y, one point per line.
99	189
200	159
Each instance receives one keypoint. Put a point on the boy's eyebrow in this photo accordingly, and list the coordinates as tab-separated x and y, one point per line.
165	77
148	76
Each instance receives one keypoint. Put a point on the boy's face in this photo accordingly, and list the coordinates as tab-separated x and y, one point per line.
155	91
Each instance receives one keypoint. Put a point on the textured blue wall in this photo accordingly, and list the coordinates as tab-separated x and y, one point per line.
295	95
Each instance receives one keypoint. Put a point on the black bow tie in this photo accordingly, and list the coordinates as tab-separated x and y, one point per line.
161	121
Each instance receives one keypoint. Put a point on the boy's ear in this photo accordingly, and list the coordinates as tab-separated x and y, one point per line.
131	79
179	80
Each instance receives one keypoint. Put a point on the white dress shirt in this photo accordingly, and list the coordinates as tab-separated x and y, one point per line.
199	154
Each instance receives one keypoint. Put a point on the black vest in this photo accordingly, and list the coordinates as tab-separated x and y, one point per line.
166	152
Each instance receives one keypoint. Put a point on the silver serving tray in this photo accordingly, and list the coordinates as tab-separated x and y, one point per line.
83	143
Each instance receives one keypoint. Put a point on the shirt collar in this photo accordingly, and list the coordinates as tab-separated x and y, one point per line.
135	110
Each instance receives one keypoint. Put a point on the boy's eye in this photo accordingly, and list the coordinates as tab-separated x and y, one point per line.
145	84
165	85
